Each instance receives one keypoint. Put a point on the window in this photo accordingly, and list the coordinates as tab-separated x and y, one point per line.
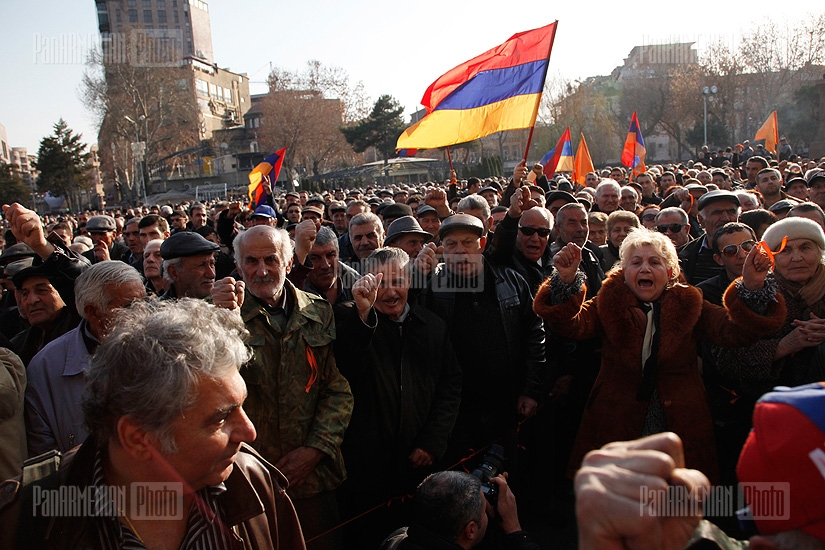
117	16
201	87
177	18
227	95
160	4
147	16
131	3
147	3
161	16
213	91
133	17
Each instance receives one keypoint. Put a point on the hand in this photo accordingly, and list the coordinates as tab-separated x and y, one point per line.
520	201
519	173
267	184
235	208
453	176
538	170
364	292
506	509
420	458
756	268
566	262
615	508
437	198
228	293
561	388
101	251
428	258
26	226
305	233
526	406
296	465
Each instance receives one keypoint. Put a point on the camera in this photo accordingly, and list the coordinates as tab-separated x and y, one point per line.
491	465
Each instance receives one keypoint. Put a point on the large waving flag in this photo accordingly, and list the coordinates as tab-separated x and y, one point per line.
560	157
770	133
495	91
633	154
271	166
582	164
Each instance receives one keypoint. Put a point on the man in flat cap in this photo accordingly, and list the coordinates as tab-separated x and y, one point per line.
479	300
102	231
45	290
715	210
189	263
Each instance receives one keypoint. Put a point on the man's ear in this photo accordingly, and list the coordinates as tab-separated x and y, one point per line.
471	533
482	242
134	439
718	259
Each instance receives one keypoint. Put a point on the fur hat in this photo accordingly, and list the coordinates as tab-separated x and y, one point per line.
794	228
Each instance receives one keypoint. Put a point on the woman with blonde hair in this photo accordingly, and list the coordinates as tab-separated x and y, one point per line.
649	324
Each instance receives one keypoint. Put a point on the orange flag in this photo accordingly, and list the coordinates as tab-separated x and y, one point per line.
582	163
770	133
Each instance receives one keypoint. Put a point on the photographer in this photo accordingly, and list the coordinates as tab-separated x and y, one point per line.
451	512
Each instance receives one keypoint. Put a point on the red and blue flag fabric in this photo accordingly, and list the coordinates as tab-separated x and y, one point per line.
560	157
271	166
633	154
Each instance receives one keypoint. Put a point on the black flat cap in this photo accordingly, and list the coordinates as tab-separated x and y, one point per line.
185	244
553	196
717	196
396	210
460	221
16	252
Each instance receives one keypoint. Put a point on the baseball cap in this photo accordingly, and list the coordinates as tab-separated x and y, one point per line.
787	446
264	211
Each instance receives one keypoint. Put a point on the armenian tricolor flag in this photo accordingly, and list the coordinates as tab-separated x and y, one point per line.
406	152
633	154
495	91
560	157
271	166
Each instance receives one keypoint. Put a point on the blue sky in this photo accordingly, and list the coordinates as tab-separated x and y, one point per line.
397	49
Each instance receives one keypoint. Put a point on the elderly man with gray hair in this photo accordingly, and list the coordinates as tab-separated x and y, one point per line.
297	397
167	426
56	375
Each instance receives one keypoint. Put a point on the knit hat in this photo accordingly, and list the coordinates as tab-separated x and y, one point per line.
794	228
782	465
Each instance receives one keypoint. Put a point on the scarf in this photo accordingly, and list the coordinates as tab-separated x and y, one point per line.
812	291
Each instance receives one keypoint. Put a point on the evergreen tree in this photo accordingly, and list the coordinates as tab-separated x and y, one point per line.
61	161
12	188
380	129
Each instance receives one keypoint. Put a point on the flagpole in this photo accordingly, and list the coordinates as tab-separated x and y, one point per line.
449	158
541	93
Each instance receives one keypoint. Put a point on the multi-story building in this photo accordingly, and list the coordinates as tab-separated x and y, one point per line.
5	152
23	164
164	34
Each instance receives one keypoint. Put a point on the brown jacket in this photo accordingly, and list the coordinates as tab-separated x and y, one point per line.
256	507
612	412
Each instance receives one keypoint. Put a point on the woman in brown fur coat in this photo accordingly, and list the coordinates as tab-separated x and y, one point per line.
649	324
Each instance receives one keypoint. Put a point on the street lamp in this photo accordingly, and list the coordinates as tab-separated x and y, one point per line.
706	91
139	149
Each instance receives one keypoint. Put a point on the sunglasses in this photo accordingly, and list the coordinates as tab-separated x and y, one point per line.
530	231
733	249
672	227
648	217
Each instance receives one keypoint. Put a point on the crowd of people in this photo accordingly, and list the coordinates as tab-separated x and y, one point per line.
372	344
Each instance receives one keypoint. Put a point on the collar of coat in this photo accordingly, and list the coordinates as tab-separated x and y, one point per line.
617	305
305	307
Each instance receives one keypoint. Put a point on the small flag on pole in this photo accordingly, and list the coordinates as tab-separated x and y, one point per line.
560	157
582	164
633	154
770	133
271	166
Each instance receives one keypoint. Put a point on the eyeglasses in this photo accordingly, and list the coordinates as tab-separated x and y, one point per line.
648	217
733	249
543	232
672	227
